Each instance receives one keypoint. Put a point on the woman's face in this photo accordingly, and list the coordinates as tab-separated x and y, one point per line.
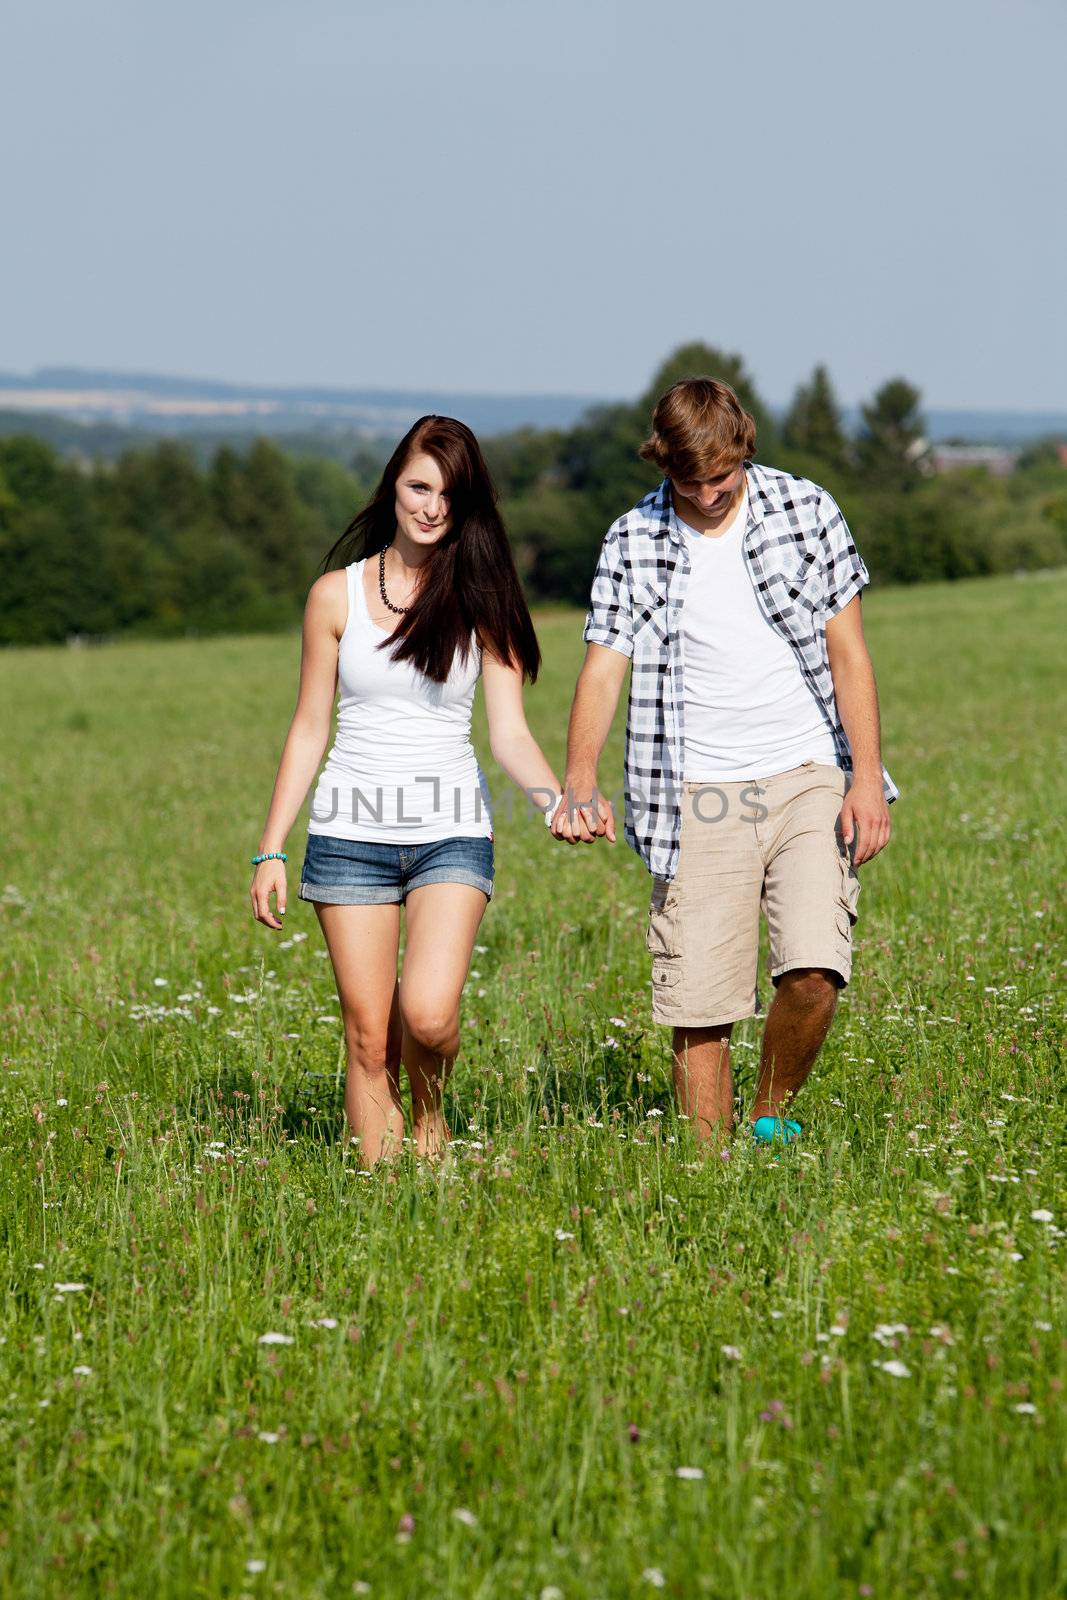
423	506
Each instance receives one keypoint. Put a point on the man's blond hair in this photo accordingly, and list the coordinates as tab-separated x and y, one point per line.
699	431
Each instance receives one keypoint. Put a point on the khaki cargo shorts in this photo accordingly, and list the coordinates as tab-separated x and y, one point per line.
770	843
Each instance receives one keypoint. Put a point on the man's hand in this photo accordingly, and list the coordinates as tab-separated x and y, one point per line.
583	813
865	814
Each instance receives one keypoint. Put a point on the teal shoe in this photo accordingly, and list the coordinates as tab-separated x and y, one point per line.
771	1130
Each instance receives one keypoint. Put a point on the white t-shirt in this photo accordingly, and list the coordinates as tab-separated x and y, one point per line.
748	711
402	769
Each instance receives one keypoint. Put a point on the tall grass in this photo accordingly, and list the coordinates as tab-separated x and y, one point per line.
577	1360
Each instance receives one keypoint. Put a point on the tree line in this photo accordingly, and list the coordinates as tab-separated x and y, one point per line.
158	544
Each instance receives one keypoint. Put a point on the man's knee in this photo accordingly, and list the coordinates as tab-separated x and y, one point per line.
812	988
686	1039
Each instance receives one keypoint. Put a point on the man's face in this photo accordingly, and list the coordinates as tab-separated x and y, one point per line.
710	496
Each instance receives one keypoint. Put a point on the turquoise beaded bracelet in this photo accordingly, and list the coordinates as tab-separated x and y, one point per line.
271	855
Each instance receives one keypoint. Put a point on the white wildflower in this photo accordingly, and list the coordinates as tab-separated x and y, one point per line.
886	1332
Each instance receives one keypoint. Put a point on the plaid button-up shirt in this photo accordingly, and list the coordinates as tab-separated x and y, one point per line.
804	568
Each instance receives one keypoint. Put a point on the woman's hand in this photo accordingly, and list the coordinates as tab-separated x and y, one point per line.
268	879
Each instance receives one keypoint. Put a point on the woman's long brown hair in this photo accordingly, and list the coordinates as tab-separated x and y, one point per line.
468	584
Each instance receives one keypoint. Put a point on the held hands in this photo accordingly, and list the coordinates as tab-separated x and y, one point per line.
865	815
583	813
268	879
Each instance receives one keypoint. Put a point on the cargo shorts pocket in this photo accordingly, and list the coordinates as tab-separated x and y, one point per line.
661	932
848	897
666	972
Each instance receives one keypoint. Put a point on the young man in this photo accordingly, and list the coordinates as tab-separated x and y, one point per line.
753	767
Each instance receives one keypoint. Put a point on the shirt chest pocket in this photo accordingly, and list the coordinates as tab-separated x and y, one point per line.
806	583
798	591
648	611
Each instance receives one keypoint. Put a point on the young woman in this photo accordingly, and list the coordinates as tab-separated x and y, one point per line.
429	602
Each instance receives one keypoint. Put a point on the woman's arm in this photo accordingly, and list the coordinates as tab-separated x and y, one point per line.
309	730
513	745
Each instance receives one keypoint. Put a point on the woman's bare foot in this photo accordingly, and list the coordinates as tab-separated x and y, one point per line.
431	1139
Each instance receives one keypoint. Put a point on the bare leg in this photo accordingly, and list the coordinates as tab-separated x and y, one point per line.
703	1082
797	1024
363	942
442	924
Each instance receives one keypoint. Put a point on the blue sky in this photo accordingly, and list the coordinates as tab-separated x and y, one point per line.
513	196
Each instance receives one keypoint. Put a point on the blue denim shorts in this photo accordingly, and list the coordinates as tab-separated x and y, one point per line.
363	872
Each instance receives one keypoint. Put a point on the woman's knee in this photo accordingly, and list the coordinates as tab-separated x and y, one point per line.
375	1046
433	1027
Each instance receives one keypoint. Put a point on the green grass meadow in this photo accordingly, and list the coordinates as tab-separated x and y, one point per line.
577	1360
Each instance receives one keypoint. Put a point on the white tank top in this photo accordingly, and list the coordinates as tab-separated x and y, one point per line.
402	769
748	711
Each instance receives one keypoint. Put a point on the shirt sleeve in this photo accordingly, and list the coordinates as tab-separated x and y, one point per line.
846	574
609	619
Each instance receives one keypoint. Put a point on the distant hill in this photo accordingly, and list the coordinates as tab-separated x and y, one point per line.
96	412
89	441
983	427
158	404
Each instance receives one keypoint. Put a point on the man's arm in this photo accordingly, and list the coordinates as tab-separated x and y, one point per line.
596	697
864	810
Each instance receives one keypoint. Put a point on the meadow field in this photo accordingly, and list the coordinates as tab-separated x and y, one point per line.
576	1360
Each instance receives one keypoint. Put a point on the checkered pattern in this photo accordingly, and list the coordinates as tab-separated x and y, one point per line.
804	567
